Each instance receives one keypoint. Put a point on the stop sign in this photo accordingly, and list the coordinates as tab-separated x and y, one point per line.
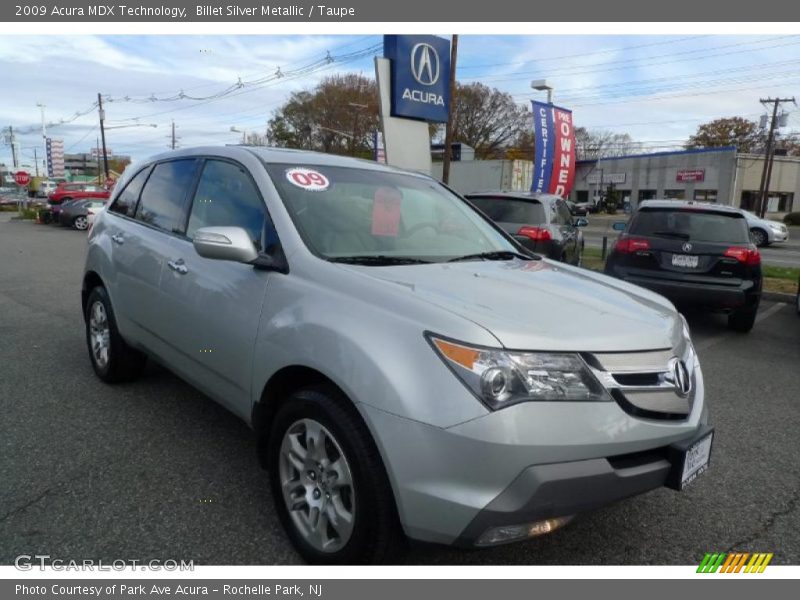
21	178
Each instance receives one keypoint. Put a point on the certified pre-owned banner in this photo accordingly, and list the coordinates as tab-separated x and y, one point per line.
554	158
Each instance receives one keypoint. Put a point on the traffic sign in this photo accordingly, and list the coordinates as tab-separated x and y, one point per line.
21	178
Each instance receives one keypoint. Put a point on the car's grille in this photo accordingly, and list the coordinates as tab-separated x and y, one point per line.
643	383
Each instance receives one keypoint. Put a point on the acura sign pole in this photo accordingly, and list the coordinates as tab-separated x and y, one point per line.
448	132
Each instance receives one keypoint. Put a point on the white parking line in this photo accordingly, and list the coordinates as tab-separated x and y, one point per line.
705	344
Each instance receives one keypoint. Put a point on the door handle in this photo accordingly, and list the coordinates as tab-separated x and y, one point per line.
118	239
178	266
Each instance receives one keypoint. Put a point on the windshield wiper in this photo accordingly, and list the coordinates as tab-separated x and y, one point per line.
674	234
379	260
495	255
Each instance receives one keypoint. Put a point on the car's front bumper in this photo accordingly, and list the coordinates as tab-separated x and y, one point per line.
778	236
528	462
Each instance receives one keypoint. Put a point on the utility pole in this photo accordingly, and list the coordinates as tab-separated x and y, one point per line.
13	146
766	173
36	161
102	131
174	143
448	132
44	130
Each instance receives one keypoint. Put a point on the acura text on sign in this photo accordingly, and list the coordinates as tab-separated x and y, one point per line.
420	76
554	160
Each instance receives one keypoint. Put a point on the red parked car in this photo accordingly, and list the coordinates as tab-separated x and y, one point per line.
66	192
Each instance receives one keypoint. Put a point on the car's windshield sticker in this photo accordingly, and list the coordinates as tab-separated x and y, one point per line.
386	204
307	179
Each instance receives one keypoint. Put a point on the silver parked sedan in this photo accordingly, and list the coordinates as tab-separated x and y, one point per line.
407	367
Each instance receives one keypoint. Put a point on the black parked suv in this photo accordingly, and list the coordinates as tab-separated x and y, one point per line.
542	223
694	254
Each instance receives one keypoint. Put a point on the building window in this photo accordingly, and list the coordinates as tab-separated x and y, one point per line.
675	194
749	200
647	194
705	195
581	196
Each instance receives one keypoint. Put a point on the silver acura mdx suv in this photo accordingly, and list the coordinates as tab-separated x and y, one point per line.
408	369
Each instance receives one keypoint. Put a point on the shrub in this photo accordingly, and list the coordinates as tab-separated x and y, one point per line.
793	218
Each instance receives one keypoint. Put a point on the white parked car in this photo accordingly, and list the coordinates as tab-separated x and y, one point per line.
92	210
764	232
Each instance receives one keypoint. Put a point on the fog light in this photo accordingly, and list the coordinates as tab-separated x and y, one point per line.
515	533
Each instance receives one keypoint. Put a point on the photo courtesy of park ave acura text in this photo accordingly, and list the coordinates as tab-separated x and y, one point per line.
398	299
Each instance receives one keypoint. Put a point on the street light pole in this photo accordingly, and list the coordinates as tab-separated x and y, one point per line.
541	85
102	132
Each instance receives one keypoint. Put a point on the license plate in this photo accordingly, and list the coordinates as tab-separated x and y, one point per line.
695	460
685	260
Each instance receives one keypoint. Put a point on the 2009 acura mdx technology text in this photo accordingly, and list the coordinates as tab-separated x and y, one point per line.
409	370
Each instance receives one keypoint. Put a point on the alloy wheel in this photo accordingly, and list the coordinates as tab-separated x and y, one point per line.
317	485
99	334
81	223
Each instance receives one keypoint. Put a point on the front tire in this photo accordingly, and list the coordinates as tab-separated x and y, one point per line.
81	223
112	359
328	482
759	237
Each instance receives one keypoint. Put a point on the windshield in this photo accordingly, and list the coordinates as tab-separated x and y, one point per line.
343	212
695	225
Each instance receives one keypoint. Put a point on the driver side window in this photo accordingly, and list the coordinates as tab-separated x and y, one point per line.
227	197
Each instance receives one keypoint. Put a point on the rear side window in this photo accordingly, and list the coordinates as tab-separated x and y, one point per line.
694	225
125	203
164	194
505	210
227	197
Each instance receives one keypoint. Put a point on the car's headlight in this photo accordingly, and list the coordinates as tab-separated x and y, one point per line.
775	227
500	378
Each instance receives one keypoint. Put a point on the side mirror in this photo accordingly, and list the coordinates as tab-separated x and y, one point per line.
581	222
619	226
225	243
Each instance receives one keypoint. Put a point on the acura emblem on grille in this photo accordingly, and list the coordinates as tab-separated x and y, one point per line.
678	375
687	247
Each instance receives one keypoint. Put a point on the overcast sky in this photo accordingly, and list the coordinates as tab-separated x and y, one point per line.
656	88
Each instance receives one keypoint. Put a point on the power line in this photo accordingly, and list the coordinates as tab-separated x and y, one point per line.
583	55
624	64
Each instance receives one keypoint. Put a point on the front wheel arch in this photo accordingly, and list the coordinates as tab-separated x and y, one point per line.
91	280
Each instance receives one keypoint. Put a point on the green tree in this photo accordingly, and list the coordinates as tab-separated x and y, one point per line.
746	135
338	116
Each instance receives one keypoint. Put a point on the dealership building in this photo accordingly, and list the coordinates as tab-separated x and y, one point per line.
720	175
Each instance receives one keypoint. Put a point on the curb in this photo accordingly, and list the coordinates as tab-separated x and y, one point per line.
778	297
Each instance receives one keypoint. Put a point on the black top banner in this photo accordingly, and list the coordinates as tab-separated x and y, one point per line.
405	11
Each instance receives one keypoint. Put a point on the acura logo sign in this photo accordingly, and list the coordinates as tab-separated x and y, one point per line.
678	375
687	247
425	64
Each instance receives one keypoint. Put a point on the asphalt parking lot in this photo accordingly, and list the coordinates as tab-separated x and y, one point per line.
154	469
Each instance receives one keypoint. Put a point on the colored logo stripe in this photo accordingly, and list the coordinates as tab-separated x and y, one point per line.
734	562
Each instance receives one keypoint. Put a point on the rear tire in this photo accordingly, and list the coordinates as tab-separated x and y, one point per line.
743	320
112	359
306	475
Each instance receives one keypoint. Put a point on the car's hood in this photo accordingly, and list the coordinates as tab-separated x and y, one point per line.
542	305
